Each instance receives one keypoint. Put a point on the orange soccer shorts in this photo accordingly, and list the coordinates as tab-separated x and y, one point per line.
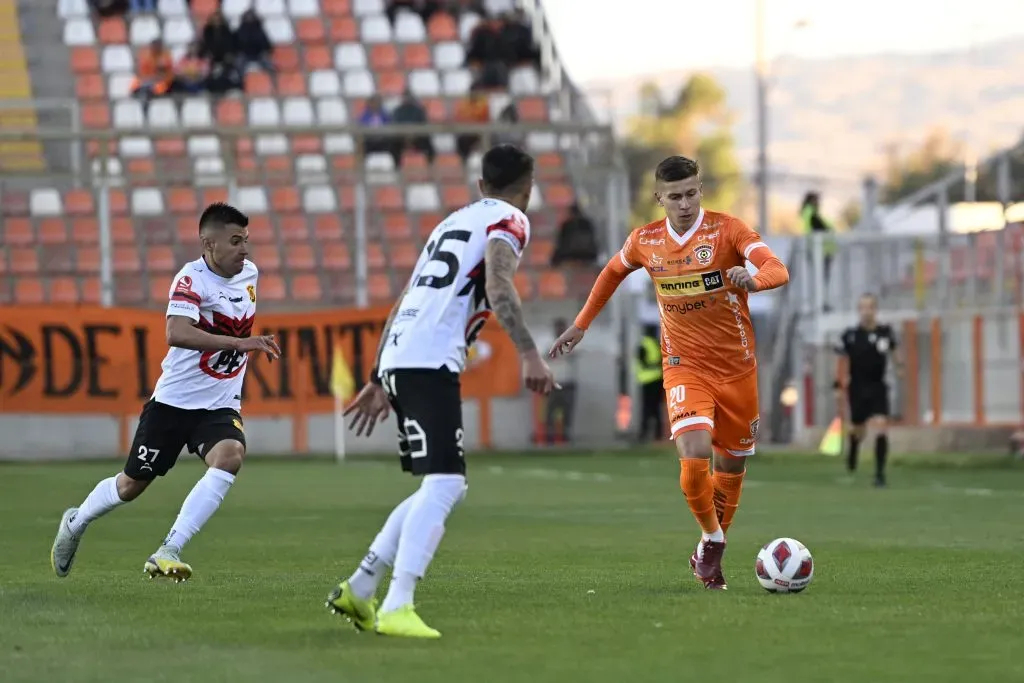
728	409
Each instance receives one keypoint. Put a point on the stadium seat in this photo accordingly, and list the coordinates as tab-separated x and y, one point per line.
128	114
449	55
163	114
68	9
251	199
524	81
178	31
266	8
52	231
324	83
117	59
358	83
442	26
303	8
457	82
300	257
467	24
298	111
409	28
120	85
384	57
331	111
264	112
79	31
320	199
335	256
78	203
362	8
63	290
172	8
425	83
376	29
45	202
422	197
144	30
18	232
29	291
306	287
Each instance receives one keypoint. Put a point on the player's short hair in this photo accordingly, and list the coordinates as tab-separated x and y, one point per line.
505	167
676	168
219	214
870	295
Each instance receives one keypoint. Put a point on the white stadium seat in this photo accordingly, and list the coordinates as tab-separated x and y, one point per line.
196	113
264	113
45	202
449	55
362	8
172	8
147	201
349	56
203	145
331	111
271	145
119	86
359	84
233	9
117	59
422	197
457	82
324	83
79	32
72	8
319	199
163	114
128	114
135	146
251	199
467	23
298	111
302	9
409	28
425	83
339	143
279	30
143	30
376	29
179	31
269	8
524	81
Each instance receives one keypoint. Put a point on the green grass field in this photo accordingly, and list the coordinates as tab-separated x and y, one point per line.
556	568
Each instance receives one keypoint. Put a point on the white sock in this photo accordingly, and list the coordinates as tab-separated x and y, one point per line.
200	504
99	502
382	552
421	534
716	536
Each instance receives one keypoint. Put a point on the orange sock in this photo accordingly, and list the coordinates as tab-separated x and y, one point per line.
728	487
695	480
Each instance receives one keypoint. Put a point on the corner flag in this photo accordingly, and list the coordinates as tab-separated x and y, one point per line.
342	385
832	442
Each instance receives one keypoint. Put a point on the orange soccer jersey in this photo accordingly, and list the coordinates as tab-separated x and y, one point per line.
707	339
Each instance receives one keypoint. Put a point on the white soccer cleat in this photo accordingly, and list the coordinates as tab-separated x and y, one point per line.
65	545
166	563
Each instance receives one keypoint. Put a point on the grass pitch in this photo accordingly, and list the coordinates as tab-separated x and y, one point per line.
555	568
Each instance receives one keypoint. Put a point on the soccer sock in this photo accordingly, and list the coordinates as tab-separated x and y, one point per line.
99	502
851	453
728	488
200	504
422	531
366	578
695	480
881	453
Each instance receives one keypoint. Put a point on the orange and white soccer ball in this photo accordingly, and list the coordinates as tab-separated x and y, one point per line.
784	566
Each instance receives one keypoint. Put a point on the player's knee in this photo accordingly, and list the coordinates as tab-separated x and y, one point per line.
879	425
130	489
730	463
695	444
446	489
857	431
227	456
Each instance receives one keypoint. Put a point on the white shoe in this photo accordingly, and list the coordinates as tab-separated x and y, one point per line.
62	554
166	563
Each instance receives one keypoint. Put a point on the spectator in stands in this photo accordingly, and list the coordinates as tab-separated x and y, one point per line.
109	8
375	116
156	74
410	111
142	6
424	8
518	38
218	41
509	115
488	55
190	72
254	46
474	109
577	240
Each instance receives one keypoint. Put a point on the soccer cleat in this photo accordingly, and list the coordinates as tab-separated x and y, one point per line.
707	564
166	563
361	613
404	623
65	545
880	481
716	582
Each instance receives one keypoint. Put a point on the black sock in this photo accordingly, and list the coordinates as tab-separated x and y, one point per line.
851	453
881	453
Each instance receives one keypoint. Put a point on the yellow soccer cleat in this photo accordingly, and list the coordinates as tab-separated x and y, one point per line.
165	563
404	623
360	612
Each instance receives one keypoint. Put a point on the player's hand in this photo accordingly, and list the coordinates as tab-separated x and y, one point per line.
741	277
263	343
566	342
537	374
370	407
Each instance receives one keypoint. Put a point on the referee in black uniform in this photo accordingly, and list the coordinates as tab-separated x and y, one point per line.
863	353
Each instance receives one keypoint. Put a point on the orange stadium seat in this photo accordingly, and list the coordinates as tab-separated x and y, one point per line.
396	226
309	31
344	29
160	259
85	230
286	58
85	60
336	8
91	86
383	57
375	259
271	288
24	260
88	259
388	198
335	256
293	228
300	257
524	285
112	31
79	203
379	288
122	230
552	285
316	57
539	253
29	291
182	200
267	257
306	287
327	227
404	255
53	231
258	84
18	232
442	27
56	259
261	231
416	56
129	290
96	116
63	290
126	260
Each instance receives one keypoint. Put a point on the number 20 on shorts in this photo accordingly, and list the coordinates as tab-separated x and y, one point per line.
677	395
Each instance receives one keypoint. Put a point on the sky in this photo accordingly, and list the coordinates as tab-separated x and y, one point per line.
645	36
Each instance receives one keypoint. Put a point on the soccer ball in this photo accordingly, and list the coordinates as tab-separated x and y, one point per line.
784	566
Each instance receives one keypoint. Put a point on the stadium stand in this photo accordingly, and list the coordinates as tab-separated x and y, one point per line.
330	57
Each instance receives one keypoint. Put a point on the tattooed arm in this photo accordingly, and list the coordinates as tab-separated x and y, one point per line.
501	293
385	333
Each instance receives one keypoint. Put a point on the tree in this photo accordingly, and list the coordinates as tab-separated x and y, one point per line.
696	123
935	158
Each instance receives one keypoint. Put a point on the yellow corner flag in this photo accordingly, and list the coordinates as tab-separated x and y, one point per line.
342	384
832	442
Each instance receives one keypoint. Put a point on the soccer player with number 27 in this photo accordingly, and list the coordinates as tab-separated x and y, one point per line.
696	259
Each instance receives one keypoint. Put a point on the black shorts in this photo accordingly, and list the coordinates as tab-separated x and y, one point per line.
428	407
867	401
164	430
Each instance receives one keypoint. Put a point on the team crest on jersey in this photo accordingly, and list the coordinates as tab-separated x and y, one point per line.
184	284
252	292
704	253
754	424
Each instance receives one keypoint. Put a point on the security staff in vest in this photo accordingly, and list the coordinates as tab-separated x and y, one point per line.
648	376
864	353
813	222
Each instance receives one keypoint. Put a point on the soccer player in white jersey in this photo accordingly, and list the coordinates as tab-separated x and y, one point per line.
463	274
196	401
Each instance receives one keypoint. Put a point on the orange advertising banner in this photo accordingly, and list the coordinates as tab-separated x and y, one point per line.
107	360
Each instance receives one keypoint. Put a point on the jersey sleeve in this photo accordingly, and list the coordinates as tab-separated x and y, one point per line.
893	341
513	229
185	295
842	347
745	239
630	254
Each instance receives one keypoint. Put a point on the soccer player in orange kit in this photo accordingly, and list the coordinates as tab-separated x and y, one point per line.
696	261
